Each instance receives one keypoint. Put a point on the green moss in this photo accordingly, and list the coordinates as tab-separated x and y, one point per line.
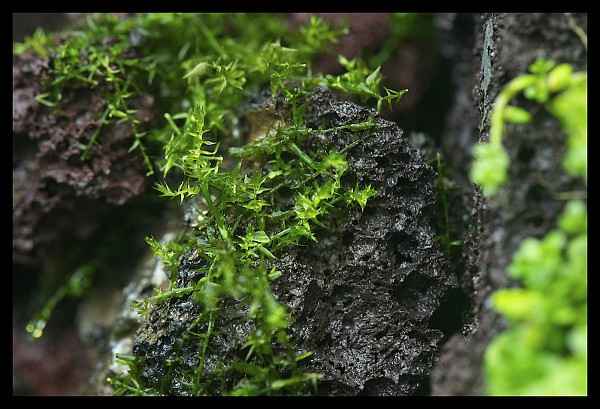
247	224
203	68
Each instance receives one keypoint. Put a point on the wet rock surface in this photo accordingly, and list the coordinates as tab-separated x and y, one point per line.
368	299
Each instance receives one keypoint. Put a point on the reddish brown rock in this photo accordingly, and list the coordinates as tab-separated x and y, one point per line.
50	177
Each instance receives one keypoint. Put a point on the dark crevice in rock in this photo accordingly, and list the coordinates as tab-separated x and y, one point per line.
452	312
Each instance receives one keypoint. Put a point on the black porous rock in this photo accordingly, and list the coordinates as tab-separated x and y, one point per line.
370	299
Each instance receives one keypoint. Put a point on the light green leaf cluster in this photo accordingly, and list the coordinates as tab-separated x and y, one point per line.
570	108
544	350
316	35
38	42
563	92
361	82
490	165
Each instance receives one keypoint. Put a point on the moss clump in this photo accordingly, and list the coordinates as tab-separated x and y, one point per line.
259	193
378	269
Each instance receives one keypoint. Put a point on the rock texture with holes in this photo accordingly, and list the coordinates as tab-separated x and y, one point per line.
370	299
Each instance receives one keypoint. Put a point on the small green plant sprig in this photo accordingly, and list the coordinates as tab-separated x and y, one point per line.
38	43
361	82
544	351
77	284
563	92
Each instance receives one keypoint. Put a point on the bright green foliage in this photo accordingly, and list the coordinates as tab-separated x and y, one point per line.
229	55
574	218
169	253
570	108
202	68
38	42
490	164
361	196
564	94
516	115
361	82
544	351
316	35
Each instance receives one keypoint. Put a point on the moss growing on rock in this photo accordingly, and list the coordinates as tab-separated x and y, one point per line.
367	268
312	235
